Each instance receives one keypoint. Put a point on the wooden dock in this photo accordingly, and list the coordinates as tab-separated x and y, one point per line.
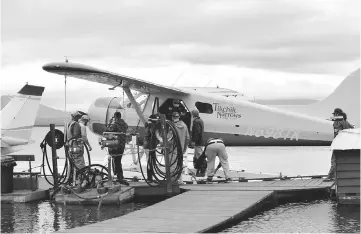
207	207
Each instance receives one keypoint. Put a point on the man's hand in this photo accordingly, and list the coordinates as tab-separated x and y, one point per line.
90	148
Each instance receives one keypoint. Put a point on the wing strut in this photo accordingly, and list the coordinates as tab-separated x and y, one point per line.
134	104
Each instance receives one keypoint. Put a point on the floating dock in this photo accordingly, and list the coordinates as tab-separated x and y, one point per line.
210	207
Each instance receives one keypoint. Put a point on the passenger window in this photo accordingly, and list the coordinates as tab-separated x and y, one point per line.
205	108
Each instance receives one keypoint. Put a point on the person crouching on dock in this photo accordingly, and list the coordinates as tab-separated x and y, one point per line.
216	147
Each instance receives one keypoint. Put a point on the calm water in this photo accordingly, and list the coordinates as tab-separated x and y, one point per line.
318	216
315	216
45	217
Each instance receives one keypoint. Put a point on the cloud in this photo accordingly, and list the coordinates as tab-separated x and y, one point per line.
284	35
261	48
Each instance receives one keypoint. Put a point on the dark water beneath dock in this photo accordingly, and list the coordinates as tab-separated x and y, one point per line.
314	216
45	216
319	216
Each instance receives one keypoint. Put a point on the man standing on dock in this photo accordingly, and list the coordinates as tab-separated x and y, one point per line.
73	141
197	138
117	124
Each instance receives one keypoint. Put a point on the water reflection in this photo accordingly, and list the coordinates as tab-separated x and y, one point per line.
45	217
346	218
310	217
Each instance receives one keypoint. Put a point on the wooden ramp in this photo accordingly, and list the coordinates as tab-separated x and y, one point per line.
194	211
204	207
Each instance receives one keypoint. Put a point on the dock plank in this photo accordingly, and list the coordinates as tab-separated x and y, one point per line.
192	211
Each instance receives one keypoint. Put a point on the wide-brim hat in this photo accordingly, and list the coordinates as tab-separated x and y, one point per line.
337	111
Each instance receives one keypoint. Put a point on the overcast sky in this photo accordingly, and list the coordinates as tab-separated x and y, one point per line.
263	48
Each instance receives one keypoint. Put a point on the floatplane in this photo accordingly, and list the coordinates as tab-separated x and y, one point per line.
225	113
18	119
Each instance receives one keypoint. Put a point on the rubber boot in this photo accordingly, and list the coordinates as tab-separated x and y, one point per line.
121	180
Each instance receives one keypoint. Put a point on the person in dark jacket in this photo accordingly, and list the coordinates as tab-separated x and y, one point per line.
117	124
339	123
197	138
150	143
176	107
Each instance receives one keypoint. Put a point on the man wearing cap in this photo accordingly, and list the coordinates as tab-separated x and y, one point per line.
197	138
118	125
72	129
73	141
339	123
83	123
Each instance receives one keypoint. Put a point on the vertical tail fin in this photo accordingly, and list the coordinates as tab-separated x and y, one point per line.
346	96
18	116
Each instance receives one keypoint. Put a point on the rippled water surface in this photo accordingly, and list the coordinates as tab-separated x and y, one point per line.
45	217
318	216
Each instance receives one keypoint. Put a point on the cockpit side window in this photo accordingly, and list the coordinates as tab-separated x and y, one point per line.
204	108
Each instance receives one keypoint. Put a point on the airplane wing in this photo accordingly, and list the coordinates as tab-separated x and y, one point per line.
104	77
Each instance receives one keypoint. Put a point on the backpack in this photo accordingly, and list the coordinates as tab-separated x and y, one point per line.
201	162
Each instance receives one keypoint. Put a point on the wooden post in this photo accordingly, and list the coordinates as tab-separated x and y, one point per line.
54	156
166	158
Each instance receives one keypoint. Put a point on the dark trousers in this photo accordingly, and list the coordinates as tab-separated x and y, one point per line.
117	162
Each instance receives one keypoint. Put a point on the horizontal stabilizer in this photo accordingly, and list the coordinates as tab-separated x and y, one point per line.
18	116
32	90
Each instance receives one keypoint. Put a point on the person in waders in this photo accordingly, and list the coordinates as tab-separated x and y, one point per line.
117	124
74	143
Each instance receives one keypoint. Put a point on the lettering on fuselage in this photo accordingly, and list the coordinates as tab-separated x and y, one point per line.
276	133
226	112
